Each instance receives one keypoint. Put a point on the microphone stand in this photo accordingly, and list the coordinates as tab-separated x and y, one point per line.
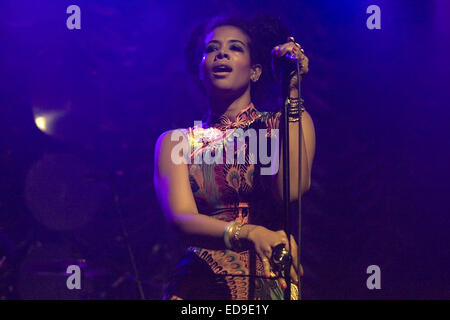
127	241
285	74
111	181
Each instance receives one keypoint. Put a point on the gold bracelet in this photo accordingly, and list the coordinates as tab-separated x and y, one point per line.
237	232
294	108
227	234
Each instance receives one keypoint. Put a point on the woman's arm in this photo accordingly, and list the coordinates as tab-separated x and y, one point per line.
308	133
308	151
175	196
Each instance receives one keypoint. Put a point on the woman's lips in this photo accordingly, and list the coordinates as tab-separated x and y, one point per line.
221	70
221	73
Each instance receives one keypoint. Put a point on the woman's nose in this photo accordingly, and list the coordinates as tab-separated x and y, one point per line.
221	53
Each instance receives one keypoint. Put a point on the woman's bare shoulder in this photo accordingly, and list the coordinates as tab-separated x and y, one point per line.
172	147
171	137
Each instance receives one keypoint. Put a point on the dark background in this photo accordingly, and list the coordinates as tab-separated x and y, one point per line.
378	98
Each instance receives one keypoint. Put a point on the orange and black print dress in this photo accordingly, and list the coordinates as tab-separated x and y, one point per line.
229	191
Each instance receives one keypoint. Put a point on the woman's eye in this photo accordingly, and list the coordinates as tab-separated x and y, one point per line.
237	48
210	48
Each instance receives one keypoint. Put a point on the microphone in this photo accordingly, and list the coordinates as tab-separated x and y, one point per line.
285	65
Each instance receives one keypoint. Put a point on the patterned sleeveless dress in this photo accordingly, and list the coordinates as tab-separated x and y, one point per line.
229	191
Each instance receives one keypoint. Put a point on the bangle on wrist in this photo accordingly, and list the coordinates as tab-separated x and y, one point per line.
227	234
236	235
231	235
294	108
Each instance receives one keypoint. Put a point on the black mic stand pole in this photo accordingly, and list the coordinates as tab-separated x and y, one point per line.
126	238
285	75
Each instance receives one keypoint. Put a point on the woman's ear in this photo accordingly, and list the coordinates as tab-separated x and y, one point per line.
255	72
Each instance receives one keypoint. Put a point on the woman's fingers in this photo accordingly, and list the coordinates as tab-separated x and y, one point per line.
292	245
282	283
264	248
294	275
281	50
296	50
282	239
265	255
295	47
285	49
305	63
266	264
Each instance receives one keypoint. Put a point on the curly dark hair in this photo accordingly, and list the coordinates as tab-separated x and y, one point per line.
264	32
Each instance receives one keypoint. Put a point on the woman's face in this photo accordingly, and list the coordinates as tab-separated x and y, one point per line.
225	67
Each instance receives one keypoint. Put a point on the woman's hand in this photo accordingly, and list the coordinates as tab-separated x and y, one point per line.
264	240
295	50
